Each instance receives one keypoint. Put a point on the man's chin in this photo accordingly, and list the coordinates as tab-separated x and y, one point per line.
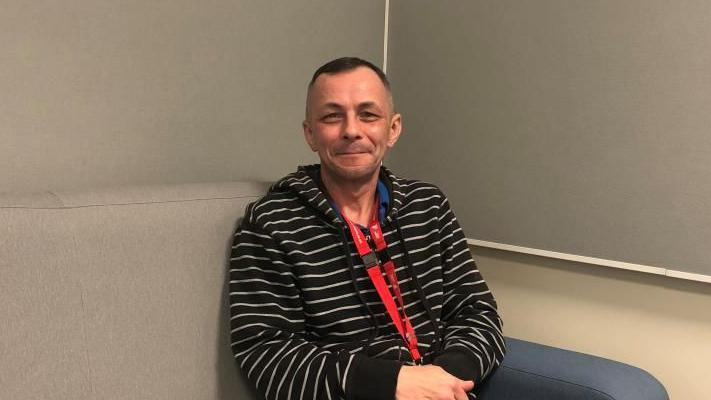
354	173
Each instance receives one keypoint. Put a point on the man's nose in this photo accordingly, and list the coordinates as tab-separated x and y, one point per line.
351	127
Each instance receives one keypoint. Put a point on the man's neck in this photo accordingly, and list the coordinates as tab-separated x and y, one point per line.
353	198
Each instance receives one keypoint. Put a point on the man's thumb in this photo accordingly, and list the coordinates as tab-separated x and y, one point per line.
467	385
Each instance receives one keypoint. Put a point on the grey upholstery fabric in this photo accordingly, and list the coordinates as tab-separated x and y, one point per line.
117	294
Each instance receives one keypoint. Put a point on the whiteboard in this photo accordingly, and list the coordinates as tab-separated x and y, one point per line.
576	127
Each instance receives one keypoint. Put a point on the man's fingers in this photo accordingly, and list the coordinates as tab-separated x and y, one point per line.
464	387
460	395
430	382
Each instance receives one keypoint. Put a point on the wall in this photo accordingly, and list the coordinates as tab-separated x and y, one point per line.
97	93
660	324
468	73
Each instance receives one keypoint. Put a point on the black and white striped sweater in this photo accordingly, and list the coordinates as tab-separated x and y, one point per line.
306	322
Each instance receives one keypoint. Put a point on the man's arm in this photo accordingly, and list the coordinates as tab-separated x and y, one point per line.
267	325
473	343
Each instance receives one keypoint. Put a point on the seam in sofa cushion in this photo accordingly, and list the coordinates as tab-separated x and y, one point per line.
127	203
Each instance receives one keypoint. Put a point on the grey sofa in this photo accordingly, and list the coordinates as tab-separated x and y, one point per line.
120	294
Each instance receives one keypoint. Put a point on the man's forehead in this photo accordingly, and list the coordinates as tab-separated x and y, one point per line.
361	82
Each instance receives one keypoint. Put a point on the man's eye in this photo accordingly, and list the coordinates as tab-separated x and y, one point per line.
332	117
368	116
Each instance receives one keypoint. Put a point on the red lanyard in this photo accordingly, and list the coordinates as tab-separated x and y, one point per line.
372	263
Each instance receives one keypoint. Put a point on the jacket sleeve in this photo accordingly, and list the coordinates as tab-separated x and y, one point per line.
268	335
473	343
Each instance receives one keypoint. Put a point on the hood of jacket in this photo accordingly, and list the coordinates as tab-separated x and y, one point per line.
305	184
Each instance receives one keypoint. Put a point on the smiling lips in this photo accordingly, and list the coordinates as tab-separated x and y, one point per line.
353	150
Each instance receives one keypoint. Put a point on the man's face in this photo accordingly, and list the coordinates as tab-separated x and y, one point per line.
350	123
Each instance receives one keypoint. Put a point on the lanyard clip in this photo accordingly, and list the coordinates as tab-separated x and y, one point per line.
370	260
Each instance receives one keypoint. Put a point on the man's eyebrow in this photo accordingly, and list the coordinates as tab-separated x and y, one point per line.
338	106
368	104
371	105
331	105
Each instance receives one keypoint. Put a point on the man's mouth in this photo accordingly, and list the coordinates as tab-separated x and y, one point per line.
352	151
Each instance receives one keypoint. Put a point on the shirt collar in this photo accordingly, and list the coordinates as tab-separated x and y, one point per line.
381	191
384	195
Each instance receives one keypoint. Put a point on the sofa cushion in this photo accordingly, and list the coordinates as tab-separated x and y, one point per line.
118	293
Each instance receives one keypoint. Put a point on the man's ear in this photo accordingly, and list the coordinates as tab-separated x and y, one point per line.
395	129
309	135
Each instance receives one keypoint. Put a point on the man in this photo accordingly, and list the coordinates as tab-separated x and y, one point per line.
315	311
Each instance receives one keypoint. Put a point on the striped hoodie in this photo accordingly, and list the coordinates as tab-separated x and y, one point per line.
305	319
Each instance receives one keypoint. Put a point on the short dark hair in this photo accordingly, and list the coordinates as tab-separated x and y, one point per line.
345	64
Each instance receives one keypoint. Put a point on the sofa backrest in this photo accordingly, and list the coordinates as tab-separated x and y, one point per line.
119	293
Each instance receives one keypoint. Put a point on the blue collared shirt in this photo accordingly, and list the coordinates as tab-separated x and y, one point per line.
382	192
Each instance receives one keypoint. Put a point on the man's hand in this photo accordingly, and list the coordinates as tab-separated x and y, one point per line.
430	382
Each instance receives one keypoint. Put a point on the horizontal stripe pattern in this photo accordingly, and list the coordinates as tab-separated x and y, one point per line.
297	321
